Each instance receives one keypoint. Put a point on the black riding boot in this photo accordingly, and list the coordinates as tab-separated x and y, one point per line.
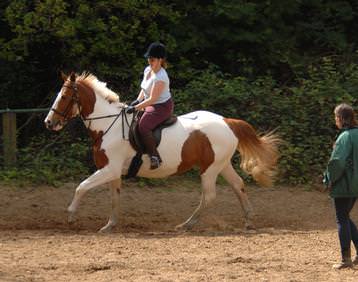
346	260
151	148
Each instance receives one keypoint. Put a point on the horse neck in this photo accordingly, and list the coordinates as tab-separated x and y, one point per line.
93	104
102	107
97	113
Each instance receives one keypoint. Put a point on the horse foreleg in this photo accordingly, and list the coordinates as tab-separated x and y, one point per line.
101	176
208	195
115	196
237	185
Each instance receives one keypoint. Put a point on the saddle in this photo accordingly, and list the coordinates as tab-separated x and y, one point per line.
137	144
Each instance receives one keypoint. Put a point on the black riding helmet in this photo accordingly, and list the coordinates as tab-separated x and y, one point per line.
155	50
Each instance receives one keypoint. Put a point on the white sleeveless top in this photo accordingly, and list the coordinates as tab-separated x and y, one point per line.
147	84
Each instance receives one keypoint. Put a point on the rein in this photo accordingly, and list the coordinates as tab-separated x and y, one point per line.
75	99
121	113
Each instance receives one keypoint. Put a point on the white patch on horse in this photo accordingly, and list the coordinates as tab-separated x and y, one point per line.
211	131
50	115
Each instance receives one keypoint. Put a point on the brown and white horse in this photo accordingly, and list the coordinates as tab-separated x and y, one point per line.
200	138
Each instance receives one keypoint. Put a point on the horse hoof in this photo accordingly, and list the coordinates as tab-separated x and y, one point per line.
180	227
249	226
183	227
106	229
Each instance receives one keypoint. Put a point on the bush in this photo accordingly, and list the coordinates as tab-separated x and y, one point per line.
302	114
51	162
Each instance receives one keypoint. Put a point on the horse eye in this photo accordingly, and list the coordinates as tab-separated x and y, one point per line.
63	97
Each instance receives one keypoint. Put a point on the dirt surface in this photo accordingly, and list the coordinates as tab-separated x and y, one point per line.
295	239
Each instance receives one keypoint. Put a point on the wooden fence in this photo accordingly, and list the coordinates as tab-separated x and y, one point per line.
10	132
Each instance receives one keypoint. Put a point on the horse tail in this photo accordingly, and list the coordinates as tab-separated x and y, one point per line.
259	153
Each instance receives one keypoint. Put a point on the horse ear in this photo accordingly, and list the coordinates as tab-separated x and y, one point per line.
73	77
63	76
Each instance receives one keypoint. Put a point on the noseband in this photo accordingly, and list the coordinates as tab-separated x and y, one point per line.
74	100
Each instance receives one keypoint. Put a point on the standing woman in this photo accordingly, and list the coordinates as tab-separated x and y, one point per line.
341	178
154	98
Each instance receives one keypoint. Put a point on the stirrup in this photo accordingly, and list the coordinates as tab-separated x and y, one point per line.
154	162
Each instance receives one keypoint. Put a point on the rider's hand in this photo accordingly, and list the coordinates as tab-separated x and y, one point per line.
135	102
130	109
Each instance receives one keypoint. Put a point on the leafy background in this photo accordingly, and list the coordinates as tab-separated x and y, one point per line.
278	65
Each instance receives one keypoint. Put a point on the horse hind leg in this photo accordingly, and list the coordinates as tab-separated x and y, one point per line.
237	185
208	195
115	187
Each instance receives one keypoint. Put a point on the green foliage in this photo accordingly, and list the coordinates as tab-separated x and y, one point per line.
272	63
106	38
302	114
45	161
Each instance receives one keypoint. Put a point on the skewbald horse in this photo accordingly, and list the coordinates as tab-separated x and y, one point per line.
200	138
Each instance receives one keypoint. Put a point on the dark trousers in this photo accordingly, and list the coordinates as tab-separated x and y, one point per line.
154	115
347	230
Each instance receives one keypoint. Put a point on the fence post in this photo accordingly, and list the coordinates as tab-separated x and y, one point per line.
9	137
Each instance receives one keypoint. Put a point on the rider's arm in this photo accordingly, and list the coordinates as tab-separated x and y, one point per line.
140	95
155	92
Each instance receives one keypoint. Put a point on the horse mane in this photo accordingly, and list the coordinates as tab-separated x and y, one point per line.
99	87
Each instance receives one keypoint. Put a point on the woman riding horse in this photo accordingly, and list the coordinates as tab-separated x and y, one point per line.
155	98
202	139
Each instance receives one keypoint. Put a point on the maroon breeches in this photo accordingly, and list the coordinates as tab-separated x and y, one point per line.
154	115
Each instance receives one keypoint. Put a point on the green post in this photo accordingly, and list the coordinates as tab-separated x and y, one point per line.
9	137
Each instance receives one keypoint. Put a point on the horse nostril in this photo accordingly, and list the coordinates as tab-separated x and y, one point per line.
48	124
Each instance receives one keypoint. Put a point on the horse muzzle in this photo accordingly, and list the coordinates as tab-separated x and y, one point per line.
54	126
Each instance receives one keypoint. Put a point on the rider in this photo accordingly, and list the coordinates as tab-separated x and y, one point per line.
155	98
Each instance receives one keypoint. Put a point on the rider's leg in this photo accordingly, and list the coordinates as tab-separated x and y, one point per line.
150	146
152	117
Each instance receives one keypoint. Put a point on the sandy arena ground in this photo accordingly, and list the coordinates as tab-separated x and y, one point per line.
295	239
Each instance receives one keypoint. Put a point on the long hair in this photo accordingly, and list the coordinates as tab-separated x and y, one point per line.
346	114
164	63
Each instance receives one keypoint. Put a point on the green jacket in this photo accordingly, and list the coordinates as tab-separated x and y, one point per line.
341	174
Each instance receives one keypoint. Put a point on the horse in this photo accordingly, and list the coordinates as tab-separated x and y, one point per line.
200	138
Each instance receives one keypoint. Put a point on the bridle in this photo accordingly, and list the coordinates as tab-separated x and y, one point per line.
75	100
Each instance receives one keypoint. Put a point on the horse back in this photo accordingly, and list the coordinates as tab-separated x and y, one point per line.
196	139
